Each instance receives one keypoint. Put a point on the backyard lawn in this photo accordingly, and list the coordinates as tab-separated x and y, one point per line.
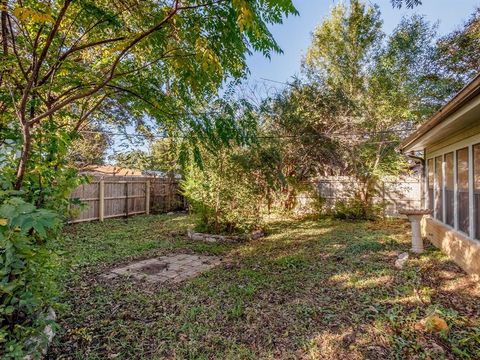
312	289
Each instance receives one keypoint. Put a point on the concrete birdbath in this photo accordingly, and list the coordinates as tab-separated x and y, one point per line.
415	217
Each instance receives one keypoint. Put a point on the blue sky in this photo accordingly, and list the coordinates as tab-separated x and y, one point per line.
294	34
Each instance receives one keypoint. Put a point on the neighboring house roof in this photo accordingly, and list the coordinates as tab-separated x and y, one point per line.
460	112
110	170
160	174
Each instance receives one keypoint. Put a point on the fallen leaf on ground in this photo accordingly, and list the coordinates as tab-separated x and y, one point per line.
432	323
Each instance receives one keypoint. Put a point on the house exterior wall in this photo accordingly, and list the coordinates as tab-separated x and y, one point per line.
462	247
455	140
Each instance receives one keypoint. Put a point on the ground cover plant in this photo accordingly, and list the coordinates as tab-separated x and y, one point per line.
312	289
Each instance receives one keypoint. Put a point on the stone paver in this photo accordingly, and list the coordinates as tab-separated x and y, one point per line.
174	268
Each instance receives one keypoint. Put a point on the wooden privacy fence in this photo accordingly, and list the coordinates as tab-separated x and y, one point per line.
393	193
118	196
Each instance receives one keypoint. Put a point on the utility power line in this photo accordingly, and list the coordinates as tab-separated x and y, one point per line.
327	134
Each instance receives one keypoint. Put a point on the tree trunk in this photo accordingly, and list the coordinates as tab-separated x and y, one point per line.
25	154
290	201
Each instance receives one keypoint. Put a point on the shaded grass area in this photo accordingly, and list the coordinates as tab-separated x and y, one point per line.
311	289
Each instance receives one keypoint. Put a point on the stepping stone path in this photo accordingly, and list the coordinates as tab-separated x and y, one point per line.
174	268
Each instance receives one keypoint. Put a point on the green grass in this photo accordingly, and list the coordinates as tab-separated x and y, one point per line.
320	289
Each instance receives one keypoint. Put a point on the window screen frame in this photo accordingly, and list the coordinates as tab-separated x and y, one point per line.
449	192
464	197
470	172
476	192
438	189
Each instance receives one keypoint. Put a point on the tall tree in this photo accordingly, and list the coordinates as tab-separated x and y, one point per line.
343	45
362	92
408	3
458	53
63	60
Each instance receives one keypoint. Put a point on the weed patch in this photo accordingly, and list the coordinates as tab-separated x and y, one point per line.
311	289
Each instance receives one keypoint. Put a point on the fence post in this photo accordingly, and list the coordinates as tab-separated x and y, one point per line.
147	197
101	200
126	199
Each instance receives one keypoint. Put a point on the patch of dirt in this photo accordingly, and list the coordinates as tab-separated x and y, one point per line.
152	269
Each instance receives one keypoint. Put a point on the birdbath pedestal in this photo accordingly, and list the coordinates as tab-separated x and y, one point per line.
415	217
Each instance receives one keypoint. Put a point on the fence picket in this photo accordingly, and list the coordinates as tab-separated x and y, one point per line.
393	193
123	196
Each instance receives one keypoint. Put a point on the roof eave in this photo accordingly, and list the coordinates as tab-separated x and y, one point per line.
471	90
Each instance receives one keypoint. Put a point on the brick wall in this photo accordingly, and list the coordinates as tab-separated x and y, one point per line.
461	249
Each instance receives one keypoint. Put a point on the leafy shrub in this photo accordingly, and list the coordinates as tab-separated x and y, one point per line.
26	272
229	173
29	221
223	194
355	209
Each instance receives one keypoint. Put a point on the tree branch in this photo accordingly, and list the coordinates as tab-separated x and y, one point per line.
40	60
138	96
3	24
14	47
111	73
148	64
89	112
73	50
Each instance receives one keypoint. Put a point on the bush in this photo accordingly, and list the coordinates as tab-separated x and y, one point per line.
355	209
29	221
223	194
27	272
